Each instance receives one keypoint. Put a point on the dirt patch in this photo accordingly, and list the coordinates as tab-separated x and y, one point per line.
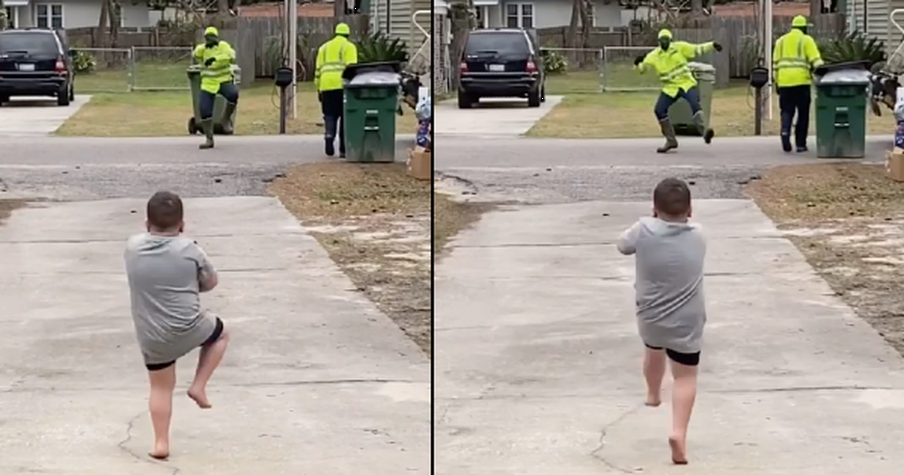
7	207
374	221
848	221
450	217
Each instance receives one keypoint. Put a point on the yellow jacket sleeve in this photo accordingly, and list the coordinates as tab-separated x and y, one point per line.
691	51
228	53
198	53
777	53
351	54
318	64
811	51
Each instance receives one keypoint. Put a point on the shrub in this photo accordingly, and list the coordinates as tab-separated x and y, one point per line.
853	46
84	63
554	63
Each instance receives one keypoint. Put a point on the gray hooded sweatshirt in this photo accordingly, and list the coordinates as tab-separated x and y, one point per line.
668	259
164	274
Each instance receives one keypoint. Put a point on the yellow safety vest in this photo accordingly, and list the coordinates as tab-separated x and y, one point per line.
794	57
220	70
332	58
671	65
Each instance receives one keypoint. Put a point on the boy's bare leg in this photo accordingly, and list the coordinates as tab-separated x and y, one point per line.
654	372
684	393
160	404
210	358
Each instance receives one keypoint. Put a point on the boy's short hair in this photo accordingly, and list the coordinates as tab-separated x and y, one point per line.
672	197
165	211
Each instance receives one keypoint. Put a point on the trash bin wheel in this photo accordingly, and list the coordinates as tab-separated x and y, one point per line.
192	127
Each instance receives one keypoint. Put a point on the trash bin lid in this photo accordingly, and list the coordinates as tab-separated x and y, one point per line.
846	77
375	79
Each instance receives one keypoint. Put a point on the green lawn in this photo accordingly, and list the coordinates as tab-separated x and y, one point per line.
630	114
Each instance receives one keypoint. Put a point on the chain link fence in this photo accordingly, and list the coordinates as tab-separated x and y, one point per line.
619	75
161	68
572	70
153	68
103	70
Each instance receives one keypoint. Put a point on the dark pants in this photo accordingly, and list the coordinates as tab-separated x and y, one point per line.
227	90
664	102
333	113
791	99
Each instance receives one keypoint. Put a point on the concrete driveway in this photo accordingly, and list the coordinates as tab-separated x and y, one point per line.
537	364
36	116
316	380
492	117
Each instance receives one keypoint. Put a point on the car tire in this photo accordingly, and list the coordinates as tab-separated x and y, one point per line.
533	99
71	92
4	100
464	101
543	95
63	98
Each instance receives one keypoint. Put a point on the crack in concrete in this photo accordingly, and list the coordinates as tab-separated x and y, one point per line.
122	446
325	382
588	243
597	453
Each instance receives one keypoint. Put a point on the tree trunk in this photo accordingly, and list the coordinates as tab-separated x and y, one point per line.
223	8
462	24
586	22
571	35
697	9
115	20
339	8
4	22
100	38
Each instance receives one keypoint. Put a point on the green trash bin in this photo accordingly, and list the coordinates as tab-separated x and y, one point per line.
841	102
371	102
680	113
219	105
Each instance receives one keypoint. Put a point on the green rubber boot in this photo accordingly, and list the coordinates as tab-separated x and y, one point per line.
207	127
228	126
707	134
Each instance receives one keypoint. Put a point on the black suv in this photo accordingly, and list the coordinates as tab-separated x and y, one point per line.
36	62
501	62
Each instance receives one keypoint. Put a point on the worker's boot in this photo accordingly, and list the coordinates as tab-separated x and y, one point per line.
705	132
207	127
329	135
669	133
228	126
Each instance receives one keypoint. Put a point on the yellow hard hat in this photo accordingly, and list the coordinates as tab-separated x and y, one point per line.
799	21
664	33
211	31
343	29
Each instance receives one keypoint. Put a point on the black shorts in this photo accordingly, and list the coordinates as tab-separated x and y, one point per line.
217	332
687	359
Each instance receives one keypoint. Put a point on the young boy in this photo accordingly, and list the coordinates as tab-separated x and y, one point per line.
167	271
669	253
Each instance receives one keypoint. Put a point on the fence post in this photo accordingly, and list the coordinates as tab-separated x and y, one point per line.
132	69
605	65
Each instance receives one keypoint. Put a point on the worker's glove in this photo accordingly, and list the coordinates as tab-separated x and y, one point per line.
717	47
209	61
639	59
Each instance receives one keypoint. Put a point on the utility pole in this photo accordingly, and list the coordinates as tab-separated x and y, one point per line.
293	53
766	41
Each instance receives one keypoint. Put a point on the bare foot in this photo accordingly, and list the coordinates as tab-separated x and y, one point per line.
679	454
653	401
200	398
160	452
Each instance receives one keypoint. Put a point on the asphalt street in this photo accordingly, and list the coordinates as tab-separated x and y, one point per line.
98	168
560	171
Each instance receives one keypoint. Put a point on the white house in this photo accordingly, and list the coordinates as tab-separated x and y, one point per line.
545	13
71	13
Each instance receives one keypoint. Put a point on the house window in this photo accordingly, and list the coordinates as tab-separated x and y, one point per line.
519	15
482	16
49	16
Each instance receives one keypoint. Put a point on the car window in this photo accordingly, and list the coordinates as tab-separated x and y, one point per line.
28	42
501	43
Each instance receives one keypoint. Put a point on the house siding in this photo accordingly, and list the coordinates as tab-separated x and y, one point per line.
400	20
85	13
425	21
555	13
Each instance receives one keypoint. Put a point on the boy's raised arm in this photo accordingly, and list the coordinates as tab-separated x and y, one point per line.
207	273
627	242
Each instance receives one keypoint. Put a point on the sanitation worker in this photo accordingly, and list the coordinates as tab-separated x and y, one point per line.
794	58
669	60
332	58
217	77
